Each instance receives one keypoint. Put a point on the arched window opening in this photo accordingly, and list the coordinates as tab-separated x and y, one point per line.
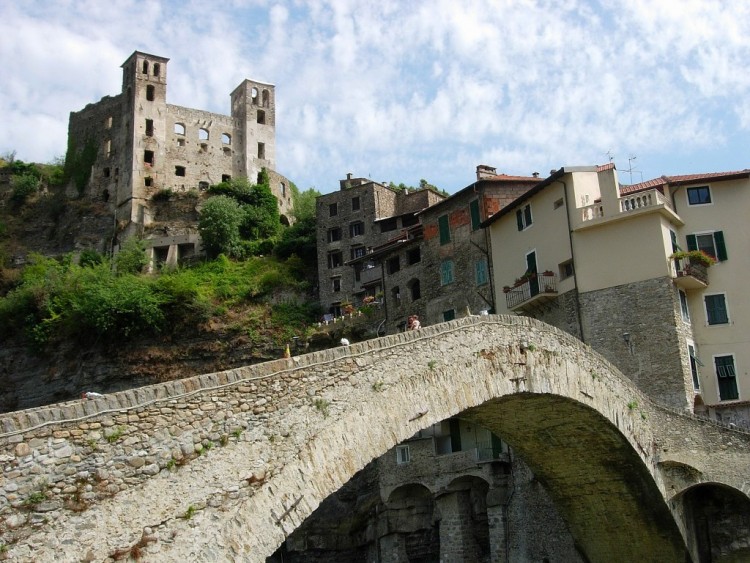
179	128
226	139
261	117
266	97
150	90
145	67
254	95
157	69
203	134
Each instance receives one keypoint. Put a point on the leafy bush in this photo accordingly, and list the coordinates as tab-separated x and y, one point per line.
23	186
219	225
90	257
131	259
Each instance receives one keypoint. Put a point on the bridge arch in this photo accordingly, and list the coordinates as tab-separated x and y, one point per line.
576	420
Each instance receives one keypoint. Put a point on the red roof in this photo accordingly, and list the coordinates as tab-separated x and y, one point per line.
684	179
506	178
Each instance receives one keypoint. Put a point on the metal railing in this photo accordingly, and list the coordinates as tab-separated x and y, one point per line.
685	267
540	284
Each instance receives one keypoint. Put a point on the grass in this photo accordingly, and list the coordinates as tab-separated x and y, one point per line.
431	364
323	406
115	435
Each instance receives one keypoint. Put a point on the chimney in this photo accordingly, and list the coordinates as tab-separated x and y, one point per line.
484	171
348	175
535	174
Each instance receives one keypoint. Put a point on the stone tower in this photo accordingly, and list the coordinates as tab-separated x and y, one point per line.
254	112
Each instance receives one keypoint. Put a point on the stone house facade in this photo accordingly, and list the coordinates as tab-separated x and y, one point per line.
351	223
595	258
136	145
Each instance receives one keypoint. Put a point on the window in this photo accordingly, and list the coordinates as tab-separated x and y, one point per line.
446	272
445	229
716	309
392	265
148	157
282	189
523	217
157	69
261	117
108	123
261	150
334	234
145	67
358	252
355	203
409	220
402	455
449	315
333	209
388	225
396	294
180	142
226	139
711	243
474	211
108	147
148	181
414	256
727	377
336	284
203	134
481	276
150	93
265	98
179	128
415	290
356	229
179	170
106	172
700	195
694	367
335	259
566	269
684	306
226	178
558	203
149	128
203	186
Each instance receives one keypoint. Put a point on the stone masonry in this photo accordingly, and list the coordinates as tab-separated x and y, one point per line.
226	465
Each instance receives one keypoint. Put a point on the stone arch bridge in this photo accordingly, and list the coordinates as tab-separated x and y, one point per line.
225	466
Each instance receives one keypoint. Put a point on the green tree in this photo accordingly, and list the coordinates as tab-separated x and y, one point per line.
131	259
24	185
219	225
304	203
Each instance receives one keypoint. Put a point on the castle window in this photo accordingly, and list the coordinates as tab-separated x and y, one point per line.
180	142
203	134
148	157
265	98
150	93
414	256
157	69
145	67
396	294
226	139
336	284
261	117
203	186
148	181
226	178
179	128
259	179
179	170
282	187
108	147
261	150
108	123
149	128
254	95
392	265
414	289
106	172
355	203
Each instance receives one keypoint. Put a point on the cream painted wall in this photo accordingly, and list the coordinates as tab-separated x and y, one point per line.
729	212
547	235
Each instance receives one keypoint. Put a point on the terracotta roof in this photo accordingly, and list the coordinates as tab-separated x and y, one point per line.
603	167
506	178
684	179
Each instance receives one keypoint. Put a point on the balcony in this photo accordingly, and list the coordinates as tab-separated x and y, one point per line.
370	275
627	206
689	273
531	294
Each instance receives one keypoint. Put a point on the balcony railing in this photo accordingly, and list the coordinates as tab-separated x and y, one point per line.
541	287
369	275
690	274
633	202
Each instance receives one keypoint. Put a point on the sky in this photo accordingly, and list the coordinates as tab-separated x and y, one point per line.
400	91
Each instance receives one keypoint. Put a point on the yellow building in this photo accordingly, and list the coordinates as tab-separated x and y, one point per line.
597	259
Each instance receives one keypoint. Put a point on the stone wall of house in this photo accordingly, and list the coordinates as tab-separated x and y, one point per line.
642	346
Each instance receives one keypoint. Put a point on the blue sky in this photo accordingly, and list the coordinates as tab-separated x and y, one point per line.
399	91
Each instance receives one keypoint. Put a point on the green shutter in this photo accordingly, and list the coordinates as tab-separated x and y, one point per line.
474	210
673	236
692	242
721	247
445	230
519	219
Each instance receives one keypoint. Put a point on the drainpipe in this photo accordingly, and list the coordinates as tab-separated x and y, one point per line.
385	297
573	260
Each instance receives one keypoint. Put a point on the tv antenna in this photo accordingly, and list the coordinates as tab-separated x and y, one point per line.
610	156
632	169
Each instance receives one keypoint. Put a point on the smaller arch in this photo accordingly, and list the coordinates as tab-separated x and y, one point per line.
157	69
266	97
284	220
254	95
150	93
179	128
203	134
145	67
226	139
